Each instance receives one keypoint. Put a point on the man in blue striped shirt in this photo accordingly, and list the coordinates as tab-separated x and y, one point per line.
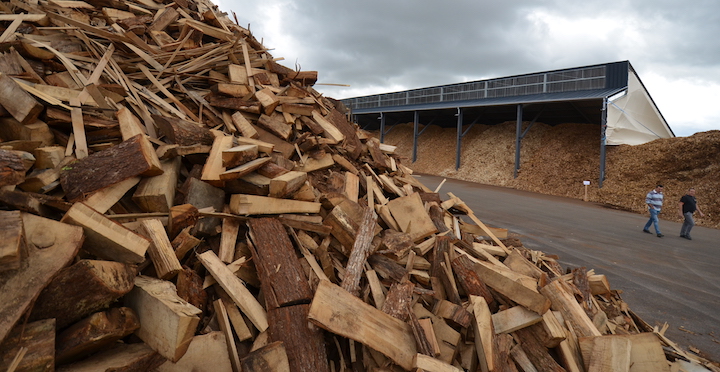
654	200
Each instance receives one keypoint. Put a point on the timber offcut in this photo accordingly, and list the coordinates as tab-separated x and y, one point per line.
174	199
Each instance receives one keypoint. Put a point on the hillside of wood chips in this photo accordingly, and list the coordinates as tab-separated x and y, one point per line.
555	160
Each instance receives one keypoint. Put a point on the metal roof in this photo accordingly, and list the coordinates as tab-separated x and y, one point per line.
498	101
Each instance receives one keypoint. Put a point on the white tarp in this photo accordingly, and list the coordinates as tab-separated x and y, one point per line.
633	119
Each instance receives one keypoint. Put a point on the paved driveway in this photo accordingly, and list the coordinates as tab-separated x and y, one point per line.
666	279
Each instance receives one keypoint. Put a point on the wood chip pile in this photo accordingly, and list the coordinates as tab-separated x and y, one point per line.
556	159
173	199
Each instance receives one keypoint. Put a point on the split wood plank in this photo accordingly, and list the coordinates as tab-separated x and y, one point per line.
410	215
167	322
243	170
484	333
51	246
21	105
213	168
103	199
243	204
563	301
160	250
106	238
224	322
496	279
514	318
157	193
337	311
235	289
203	348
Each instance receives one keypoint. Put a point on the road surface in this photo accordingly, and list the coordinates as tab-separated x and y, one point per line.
667	279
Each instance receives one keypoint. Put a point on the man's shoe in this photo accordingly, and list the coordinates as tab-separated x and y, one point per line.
688	237
660	235
647	231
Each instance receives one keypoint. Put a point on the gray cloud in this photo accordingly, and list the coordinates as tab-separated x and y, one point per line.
379	46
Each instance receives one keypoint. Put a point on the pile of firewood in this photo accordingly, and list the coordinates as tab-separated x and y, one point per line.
174	199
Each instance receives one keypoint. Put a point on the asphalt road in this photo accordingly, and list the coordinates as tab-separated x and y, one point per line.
667	279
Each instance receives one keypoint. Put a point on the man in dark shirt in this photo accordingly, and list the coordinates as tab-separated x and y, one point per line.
688	206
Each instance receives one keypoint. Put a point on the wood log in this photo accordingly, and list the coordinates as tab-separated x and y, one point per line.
23	201
12	168
51	246
337	311
235	289
121	357
269	358
19	103
304	344
94	333
106	238
35	342
157	194
12	244
563	301
183	132
268	100
161	251
516	262
330	131
167	322
536	352
283	281
82	289
107	167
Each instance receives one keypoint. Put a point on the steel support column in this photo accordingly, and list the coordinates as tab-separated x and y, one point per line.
458	145
416	122
603	140
518	137
382	127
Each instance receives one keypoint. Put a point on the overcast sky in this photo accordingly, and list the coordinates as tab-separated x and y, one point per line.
385	46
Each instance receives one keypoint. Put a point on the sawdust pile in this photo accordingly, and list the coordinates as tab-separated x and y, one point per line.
555	160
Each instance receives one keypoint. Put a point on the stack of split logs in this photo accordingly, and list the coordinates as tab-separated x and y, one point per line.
174	199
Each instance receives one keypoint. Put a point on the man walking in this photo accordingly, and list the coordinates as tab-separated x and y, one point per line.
688	206
654	200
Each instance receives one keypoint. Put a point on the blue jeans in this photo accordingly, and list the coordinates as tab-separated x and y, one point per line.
687	224
653	220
